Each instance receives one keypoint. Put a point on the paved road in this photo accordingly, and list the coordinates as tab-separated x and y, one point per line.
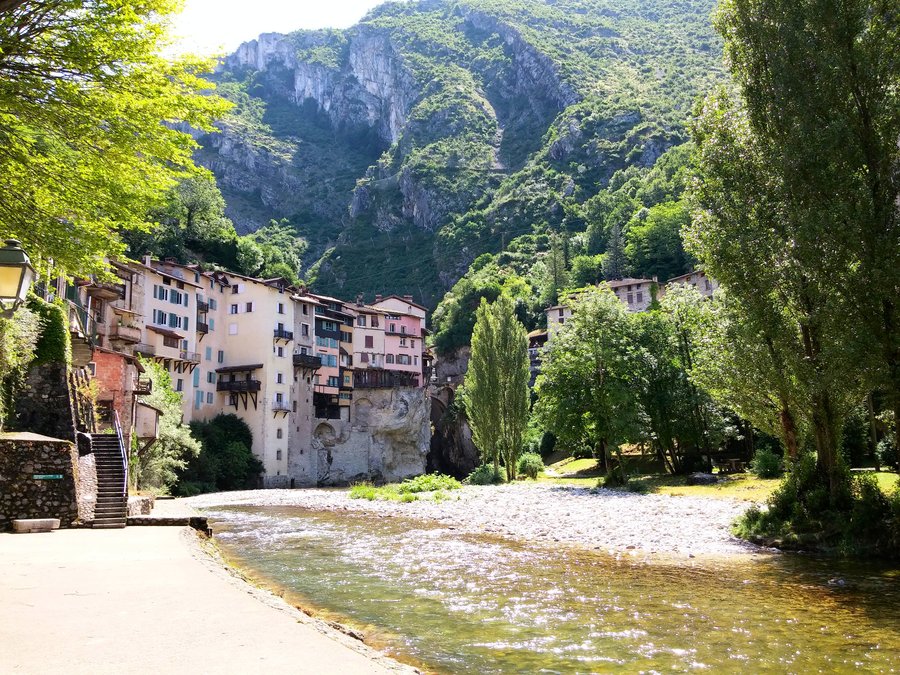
145	600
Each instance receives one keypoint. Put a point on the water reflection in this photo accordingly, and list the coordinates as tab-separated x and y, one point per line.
469	604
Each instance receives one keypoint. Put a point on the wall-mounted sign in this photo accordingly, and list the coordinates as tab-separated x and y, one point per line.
47	476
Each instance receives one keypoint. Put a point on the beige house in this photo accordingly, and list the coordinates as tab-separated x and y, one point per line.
698	279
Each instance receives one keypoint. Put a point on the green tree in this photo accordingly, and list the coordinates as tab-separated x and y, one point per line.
587	270
615	262
585	393
91	122
555	276
156	466
18	342
496	384
654	245
819	90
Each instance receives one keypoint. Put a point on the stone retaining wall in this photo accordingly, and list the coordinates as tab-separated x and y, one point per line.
87	487
24	458
140	506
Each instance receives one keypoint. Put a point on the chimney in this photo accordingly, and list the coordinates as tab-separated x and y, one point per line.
655	279
359	300
148	259
378	297
408	298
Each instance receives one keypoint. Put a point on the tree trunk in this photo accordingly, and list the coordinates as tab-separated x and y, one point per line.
873	431
789	431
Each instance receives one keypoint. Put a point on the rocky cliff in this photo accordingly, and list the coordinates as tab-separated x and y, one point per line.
436	130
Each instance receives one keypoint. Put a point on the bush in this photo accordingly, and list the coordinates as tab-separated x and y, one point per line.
583	452
548	443
226	461
766	464
363	490
54	343
887	453
428	483
530	464
484	475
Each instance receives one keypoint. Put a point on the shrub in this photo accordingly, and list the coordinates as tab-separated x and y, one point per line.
54	343
484	475
887	453
582	452
428	482
530	464
548	443
766	464
363	491
408	497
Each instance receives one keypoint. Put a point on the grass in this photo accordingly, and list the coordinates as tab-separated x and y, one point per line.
407	491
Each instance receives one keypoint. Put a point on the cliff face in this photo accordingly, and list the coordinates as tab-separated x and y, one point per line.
435	130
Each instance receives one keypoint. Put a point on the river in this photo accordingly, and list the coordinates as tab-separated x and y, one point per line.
456	602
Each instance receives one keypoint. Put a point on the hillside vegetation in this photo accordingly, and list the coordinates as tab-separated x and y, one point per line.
436	131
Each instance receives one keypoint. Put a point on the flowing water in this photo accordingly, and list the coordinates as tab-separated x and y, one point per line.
460	603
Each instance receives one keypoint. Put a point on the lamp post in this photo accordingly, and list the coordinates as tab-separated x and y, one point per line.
16	276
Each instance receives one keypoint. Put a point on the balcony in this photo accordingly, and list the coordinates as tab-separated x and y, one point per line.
190	357
307	361
145	350
384	379
143	386
202	306
281	406
283	334
396	331
239	386
202	327
125	333
106	291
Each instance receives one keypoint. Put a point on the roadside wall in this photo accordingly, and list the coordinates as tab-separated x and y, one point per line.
24	456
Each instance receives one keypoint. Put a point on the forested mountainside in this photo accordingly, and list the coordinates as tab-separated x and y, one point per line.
435	131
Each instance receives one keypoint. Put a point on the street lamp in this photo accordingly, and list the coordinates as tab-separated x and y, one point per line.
16	275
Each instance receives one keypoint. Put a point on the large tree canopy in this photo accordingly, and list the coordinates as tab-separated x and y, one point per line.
90	123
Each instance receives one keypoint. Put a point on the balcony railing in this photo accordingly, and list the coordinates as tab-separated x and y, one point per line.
239	386
202	306
307	361
281	406
145	350
202	327
191	357
125	333
380	379
143	386
283	334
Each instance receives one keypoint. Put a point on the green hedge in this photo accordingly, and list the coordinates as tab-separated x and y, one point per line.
54	345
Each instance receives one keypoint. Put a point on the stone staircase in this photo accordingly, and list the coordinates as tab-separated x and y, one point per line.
112	501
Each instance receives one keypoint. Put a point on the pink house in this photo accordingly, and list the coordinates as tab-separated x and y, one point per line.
404	335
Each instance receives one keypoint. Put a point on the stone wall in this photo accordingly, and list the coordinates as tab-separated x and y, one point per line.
140	506
24	456
43	405
385	440
87	487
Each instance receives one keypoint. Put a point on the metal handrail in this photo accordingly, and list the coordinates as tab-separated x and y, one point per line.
124	453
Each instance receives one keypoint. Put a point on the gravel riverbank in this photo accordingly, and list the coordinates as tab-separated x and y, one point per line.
617	522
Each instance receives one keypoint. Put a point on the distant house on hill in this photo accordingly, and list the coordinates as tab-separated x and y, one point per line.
698	279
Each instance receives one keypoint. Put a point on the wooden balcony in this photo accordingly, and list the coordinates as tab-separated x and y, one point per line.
202	327
384	379
143	386
240	386
202	306
307	361
190	357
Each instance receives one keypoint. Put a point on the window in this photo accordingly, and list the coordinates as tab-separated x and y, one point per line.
208	354
403	330
334	381
278	454
374	322
167	281
415	360
630	298
361	320
389	358
170	342
198	399
212	303
346	337
364	358
304	329
232	309
707	285
561	312
160	318
221	356
186	323
393	328
281	308
212	325
175	297
332	361
249	307
278	433
402	342
640	296
562	321
235	289
279	378
281	351
279	397
305	309
209	397
412	343
370	341
232	329
329	326
403	359
179	385
210	378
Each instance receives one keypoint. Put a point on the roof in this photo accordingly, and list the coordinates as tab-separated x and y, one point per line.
682	277
239	369
536	333
402	299
629	281
165	332
163	273
152	407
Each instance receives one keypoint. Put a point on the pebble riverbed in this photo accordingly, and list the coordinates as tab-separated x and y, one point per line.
607	520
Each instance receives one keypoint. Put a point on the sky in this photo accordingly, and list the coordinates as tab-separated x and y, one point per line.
219	26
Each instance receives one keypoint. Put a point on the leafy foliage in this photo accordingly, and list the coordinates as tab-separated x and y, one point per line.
530	464
157	467
225	460
18	340
89	124
485	474
54	344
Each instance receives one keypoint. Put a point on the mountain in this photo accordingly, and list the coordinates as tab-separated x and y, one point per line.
437	130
